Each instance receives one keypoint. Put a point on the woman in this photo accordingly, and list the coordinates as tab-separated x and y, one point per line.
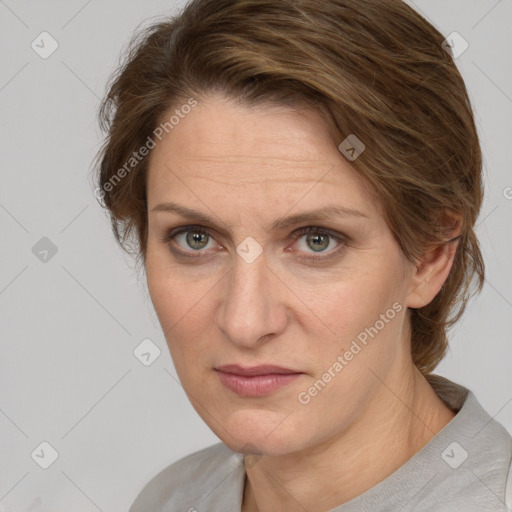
301	180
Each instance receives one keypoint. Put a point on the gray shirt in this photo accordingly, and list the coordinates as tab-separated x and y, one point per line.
465	467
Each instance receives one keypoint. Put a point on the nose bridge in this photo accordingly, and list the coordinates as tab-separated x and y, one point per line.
250	308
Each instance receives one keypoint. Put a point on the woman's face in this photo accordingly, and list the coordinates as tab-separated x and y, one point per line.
282	258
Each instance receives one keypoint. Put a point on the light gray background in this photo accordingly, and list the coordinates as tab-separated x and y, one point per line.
70	325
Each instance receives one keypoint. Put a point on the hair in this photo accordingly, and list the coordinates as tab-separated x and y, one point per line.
373	68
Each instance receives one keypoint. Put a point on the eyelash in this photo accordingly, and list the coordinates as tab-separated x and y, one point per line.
296	235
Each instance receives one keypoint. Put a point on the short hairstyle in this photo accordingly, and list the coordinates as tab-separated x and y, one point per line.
372	68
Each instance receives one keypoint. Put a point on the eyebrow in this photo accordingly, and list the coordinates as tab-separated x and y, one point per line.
319	214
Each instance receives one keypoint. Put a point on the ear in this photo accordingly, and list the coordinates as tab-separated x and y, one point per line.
433	267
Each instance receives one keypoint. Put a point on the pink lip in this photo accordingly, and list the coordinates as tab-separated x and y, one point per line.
256	380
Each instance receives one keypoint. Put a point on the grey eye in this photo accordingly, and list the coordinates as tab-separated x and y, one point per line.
318	242
196	240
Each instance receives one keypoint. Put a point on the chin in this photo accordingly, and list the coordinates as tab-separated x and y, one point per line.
259	432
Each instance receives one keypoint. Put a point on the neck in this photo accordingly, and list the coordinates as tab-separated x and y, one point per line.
402	418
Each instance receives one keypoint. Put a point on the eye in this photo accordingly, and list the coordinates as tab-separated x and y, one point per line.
190	239
316	240
195	240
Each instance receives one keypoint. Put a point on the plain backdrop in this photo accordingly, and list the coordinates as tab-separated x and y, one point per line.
72	307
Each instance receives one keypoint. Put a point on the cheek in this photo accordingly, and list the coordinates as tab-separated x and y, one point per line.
355	301
184	310
365	316
172	293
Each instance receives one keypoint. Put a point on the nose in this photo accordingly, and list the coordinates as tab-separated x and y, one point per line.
252	307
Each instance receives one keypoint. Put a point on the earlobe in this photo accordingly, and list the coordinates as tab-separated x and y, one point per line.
432	271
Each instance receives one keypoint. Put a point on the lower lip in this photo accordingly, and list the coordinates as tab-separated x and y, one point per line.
256	385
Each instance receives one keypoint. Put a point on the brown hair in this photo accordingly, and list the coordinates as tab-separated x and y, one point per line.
374	68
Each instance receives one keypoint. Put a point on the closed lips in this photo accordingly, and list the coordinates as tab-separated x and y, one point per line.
255	370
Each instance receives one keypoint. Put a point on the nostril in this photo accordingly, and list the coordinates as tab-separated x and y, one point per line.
263	338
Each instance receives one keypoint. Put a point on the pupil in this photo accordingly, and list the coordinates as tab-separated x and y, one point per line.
196	240
320	242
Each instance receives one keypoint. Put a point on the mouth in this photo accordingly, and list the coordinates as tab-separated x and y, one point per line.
256	381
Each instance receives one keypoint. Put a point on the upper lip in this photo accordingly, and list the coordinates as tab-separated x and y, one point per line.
265	369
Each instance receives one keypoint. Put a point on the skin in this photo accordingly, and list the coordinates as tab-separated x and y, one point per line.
246	168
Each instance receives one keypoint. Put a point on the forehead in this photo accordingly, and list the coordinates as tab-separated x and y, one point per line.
265	149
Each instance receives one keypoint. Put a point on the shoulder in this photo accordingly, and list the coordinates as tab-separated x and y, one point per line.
508	492
476	453
186	483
